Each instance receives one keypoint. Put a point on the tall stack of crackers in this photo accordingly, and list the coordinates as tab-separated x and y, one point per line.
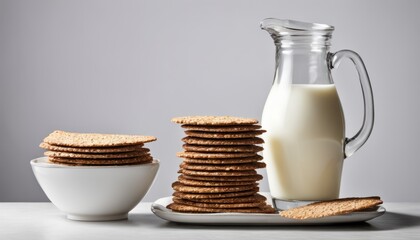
96	149
218	171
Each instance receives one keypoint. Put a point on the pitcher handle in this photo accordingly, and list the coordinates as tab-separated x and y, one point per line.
352	144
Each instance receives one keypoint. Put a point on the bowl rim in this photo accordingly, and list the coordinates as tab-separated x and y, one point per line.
43	162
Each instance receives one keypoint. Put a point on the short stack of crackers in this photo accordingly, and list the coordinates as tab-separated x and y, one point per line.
96	149
218	172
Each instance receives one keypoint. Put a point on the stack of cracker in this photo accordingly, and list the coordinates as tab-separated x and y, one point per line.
96	149
218	172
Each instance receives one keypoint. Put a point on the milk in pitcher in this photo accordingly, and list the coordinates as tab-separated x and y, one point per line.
304	141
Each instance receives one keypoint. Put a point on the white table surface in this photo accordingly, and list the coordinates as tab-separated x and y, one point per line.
34	221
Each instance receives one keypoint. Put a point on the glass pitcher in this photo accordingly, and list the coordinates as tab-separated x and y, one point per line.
305	142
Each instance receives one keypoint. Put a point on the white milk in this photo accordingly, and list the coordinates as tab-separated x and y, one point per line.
303	146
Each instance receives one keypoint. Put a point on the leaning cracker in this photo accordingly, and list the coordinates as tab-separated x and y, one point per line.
235	149
191	182
228	135
233	167
192	209
230	128
223	160
62	138
215	195
205	141
204	155
331	208
218	205
256	177
214	120
138	153
177	186
122	161
218	173
91	149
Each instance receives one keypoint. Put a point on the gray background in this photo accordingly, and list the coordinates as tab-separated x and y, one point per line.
130	66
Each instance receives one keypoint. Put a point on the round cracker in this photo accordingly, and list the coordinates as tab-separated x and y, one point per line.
214	195
219	149
213	155
177	186
256	177
213	142
218	205
141	152
218	173
70	139
331	207
233	167
253	198
121	161
191	182
192	209
214	120
224	161
91	149
228	135
231	128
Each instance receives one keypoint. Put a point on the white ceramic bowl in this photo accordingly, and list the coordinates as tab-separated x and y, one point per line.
94	193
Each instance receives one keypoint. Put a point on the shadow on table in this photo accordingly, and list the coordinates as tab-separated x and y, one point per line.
134	220
389	221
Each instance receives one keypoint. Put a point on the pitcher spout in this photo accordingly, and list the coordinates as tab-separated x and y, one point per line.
288	28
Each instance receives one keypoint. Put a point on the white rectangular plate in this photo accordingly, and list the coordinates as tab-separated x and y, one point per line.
160	210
